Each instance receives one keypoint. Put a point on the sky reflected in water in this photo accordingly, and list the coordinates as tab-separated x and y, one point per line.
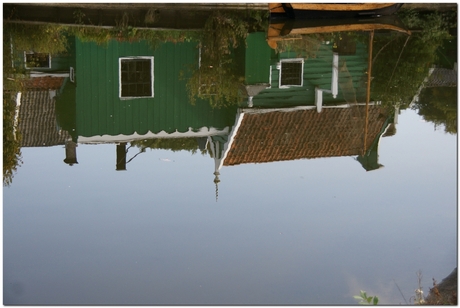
270	168
280	233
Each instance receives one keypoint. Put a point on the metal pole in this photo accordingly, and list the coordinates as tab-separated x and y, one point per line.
368	96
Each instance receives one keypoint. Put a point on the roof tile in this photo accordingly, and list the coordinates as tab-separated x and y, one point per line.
304	134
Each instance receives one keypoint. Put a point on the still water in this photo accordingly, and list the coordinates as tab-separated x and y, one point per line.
135	195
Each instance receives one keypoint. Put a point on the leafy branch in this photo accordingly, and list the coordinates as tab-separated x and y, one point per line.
366	300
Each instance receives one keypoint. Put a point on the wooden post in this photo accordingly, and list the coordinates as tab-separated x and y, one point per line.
70	153
368	94
121	156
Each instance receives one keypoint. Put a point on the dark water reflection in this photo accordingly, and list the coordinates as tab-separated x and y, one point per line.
238	162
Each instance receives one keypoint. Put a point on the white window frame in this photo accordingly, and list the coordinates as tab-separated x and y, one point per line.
151	58
297	60
36	67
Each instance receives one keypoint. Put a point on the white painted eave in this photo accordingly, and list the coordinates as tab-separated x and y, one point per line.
238	120
203	132
267	110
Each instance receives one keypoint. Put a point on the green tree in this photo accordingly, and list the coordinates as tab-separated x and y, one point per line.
401	62
439	106
47	38
219	78
173	144
12	84
11	139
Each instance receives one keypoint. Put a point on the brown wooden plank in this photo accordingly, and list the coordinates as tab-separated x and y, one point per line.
340	6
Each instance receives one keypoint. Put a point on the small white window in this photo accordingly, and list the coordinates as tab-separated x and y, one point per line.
291	73
136	77
37	60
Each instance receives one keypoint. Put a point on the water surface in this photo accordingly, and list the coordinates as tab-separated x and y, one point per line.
175	223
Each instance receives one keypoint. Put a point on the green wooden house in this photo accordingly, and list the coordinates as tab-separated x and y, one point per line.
125	91
304	105
129	88
324	76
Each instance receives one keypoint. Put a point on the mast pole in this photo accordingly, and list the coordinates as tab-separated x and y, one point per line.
368	93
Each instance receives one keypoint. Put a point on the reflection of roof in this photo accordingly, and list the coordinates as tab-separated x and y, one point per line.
442	77
278	135
37	120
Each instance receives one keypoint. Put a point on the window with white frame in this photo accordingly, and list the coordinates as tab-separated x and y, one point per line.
37	60
136	77
291	73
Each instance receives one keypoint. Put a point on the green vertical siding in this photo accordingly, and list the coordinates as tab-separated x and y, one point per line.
317	73
257	61
100	110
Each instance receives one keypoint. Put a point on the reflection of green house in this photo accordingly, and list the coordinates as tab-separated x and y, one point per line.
49	75
36	112
129	91
45	64
298	79
284	134
304	107
105	73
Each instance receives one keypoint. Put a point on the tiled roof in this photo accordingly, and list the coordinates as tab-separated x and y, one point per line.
37	120
442	77
300	134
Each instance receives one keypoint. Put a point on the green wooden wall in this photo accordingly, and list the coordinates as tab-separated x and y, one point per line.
317	73
257	59
100	111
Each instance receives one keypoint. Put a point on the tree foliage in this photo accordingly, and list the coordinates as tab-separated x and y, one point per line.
439	106
218	80
46	38
305	46
364	299
12	84
401	62
11	139
173	144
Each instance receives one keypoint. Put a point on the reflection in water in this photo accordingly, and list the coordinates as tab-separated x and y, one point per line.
127	90
302	76
298	105
240	90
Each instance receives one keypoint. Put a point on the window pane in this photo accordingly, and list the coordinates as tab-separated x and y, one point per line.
136	78
291	73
